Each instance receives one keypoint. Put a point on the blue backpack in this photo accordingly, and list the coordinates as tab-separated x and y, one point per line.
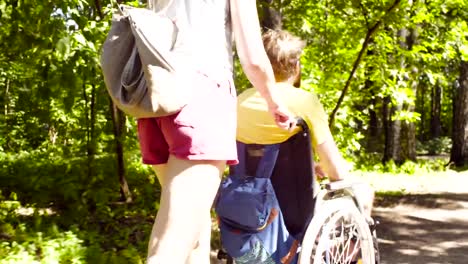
250	219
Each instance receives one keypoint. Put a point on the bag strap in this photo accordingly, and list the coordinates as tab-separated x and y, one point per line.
265	166
152	5
268	161
117	6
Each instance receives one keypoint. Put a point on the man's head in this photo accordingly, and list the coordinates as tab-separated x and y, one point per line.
284	51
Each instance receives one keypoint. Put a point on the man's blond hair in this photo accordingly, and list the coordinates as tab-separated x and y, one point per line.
284	51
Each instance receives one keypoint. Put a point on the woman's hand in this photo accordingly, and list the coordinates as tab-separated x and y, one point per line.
282	117
254	60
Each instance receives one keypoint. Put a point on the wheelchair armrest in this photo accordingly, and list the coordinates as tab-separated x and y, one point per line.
338	185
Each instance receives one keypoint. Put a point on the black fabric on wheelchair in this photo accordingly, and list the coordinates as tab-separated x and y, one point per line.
292	178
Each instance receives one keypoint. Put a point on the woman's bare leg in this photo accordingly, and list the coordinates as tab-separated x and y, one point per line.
188	191
160	171
201	252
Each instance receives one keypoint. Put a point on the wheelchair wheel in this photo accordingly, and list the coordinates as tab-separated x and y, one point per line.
338	234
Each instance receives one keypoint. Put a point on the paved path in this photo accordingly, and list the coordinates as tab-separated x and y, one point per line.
427	226
424	229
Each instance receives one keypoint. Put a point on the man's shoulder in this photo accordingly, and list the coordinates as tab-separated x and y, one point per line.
286	91
247	93
291	91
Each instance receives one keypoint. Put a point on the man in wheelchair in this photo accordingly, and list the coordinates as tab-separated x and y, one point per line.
267	152
256	126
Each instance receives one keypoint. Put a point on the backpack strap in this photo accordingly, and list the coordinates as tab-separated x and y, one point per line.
240	170
268	161
265	166
153	5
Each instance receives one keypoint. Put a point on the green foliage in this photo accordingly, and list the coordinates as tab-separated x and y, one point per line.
60	200
43	239
64	180
50	212
417	46
441	145
52	91
423	166
57	248
346	133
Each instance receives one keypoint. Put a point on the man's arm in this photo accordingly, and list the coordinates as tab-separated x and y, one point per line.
331	160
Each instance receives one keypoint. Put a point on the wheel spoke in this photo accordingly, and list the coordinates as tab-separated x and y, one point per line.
339	236
341	245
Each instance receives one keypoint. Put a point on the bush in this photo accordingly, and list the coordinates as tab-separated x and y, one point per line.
36	247
435	146
87	222
46	178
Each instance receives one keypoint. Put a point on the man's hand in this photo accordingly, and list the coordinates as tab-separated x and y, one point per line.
319	172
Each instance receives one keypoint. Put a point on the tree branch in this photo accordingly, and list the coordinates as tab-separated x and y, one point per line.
369	35
365	14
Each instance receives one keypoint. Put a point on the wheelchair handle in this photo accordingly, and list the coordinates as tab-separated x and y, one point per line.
300	122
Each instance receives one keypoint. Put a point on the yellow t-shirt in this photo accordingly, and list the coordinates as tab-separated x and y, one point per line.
255	125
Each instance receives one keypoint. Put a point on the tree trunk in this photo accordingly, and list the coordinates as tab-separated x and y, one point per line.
421	109
408	133
374	142
401	141
4	130
459	153
374	126
408	138
396	135
91	147
88	130
374	138
392	150
388	131
118	122
393	131
97	6
375	129
436	126
7	98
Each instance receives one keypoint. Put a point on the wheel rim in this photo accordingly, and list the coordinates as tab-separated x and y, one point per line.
341	240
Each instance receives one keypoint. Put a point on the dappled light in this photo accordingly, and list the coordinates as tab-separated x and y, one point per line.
412	234
392	76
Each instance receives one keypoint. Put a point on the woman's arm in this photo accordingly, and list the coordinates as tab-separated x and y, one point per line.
253	58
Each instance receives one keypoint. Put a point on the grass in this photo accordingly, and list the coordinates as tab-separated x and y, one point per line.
402	183
47	238
107	232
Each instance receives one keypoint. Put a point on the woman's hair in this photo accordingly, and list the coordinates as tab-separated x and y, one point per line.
284	51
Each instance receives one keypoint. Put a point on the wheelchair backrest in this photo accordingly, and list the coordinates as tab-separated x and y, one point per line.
292	176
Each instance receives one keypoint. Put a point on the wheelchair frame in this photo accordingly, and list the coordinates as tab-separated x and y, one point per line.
334	203
337	204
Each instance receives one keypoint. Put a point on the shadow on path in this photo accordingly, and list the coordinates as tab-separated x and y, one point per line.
423	228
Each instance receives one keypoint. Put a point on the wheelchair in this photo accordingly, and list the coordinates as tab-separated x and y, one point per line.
327	219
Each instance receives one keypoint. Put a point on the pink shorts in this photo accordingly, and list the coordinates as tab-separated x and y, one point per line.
205	129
